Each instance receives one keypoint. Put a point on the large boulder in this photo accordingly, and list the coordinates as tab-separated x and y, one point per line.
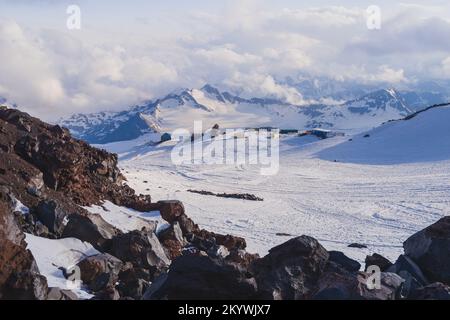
379	261
91	228
434	291
410	272
100	271
430	249
52	216
344	261
203	278
291	270
142	249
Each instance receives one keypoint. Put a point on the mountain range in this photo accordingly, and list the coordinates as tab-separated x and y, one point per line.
181	108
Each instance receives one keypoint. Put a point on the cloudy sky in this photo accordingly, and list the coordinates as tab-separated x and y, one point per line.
129	51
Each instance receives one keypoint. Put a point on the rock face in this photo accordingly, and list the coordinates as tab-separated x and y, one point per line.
202	277
19	274
291	270
142	249
430	249
100	272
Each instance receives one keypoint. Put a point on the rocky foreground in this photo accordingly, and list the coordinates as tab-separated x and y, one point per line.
55	176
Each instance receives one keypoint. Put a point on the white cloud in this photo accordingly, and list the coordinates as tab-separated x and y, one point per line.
244	47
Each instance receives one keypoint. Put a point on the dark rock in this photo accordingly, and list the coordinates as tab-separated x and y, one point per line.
172	240
142	249
291	270
410	272
60	294
91	228
19	274
378	260
100	271
430	249
170	211
109	293
52	216
353	286
357	246
199	277
347	263
435	291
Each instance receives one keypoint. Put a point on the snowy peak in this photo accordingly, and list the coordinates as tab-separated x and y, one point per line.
378	100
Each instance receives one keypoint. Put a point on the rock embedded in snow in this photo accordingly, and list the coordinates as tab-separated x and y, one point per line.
91	228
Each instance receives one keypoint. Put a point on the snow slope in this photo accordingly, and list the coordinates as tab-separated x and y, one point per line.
52	254
424	138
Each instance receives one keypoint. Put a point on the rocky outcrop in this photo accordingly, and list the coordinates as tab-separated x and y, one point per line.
19	274
47	157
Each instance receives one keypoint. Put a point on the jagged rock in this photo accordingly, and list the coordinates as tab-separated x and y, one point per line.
60	294
100	271
430	249
170	211
52	216
434	291
35	185
91	228
140	248
353	286
241	257
133	288
344	261
172	240
410	272
199	277
19	274
290	270
378	260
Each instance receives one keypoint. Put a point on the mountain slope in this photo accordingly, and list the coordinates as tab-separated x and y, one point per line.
423	137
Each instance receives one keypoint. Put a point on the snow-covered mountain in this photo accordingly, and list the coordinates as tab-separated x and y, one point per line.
180	109
421	137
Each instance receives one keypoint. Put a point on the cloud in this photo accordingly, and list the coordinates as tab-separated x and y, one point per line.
245	47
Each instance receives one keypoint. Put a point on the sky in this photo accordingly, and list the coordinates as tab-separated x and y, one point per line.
129	51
